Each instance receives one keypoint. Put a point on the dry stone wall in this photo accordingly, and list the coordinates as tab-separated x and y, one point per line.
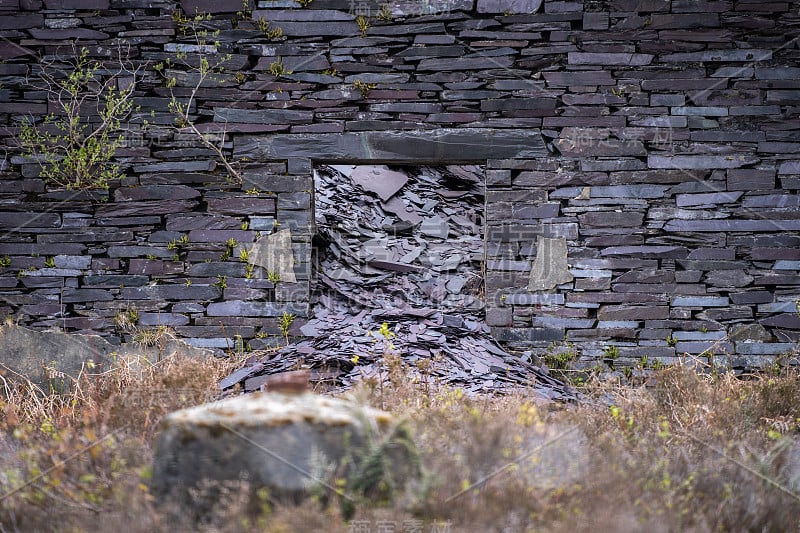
643	164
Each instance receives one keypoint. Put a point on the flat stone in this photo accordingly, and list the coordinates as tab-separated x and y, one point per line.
731	225
744	55
256	309
262	116
764	348
508	6
419	147
700	301
534	299
621	59
689	200
633	312
729	278
700	161
785	320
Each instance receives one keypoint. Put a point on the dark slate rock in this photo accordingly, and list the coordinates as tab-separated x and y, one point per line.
562	79
742	55
114	281
700	161
14	220
475	63
647	251
242	204
759	348
249	308
711	265
700	301
162	319
49	34
649	275
262	116
747	179
155	192
144	208
729	278
691	200
302	15
772	200
214	269
172	292
751	297
784	320
600	58
633	312
534	299
508	6
85	295
527	334
731	225
21	21
396	147
610	219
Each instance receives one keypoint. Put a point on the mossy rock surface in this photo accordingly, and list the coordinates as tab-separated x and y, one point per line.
292	445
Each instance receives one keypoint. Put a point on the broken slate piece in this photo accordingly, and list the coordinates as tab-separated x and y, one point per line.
435	227
274	253
379	180
550	267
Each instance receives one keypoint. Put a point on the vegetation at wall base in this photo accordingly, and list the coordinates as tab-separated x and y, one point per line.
687	452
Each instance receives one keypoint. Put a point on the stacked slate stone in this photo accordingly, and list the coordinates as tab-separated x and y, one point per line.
399	273
657	138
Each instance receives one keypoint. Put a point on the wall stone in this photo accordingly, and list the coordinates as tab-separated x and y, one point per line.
658	139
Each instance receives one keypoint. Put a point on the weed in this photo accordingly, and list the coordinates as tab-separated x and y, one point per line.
611	352
286	321
50	262
272	33
671	341
127	320
5	261
385	14
150	337
277	69
222	282
248	271
363	87
363	24
244	255
273	276
559	357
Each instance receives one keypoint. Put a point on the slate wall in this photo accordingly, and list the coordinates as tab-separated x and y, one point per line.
658	138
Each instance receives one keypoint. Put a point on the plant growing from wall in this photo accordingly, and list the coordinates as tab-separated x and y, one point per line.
76	143
286	321
363	24
205	66
364	87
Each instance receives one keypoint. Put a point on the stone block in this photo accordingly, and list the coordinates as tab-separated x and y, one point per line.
508	6
276	439
632	312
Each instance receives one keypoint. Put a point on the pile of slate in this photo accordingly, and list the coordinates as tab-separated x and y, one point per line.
398	272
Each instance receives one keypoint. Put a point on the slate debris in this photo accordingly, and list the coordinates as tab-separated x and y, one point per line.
400	246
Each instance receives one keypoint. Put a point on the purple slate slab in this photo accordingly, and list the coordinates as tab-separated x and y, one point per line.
379	179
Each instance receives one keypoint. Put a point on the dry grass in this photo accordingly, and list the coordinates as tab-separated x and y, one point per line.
686	452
